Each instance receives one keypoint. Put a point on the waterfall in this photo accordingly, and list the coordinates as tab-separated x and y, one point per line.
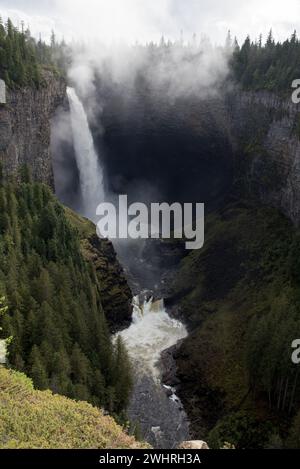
90	171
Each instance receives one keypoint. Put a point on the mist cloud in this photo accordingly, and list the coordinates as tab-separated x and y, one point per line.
145	20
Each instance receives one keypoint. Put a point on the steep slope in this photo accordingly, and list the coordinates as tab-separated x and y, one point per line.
240	298
39	419
53	287
116	296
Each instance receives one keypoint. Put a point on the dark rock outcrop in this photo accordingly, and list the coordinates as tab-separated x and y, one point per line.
25	127
265	132
116	296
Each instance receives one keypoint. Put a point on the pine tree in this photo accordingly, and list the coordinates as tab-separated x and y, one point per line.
37	371
123	378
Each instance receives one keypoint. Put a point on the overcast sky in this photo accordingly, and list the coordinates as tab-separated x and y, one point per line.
144	20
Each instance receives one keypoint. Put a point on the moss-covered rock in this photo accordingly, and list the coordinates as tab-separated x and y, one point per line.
116	296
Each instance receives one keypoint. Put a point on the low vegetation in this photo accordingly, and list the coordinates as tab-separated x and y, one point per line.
40	419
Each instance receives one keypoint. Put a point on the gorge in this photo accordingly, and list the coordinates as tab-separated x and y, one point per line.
159	417
246	158
195	324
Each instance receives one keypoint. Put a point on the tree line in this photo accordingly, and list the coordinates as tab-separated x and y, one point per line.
269	66
22	58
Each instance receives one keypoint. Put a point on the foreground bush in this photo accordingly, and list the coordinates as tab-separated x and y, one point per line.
40	419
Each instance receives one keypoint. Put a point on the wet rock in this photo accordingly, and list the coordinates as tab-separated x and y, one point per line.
161	421
168	366
168	390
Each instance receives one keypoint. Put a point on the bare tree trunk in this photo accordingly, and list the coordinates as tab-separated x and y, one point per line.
279	394
285	393
293	391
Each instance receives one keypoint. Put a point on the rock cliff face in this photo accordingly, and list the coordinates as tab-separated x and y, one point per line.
218	303
116	296
265	132
25	128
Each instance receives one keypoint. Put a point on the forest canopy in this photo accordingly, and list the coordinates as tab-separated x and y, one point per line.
271	66
22	58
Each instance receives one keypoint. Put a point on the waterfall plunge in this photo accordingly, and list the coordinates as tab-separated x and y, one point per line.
90	171
151	332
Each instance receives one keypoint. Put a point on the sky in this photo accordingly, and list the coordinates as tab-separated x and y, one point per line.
114	21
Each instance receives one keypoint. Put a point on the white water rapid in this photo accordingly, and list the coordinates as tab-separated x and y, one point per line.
90	171
152	331
155	408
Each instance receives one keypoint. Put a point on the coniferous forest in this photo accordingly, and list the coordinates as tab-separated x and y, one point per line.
22	57
268	65
59	335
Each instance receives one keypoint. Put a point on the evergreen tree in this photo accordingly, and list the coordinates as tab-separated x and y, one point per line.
22	58
272	66
123	378
37	370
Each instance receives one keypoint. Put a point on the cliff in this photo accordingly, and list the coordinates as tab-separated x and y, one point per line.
25	127
265	133
237	297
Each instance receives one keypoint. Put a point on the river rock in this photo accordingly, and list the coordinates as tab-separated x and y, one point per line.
194	444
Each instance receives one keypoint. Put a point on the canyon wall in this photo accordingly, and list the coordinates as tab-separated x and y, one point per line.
25	127
265	133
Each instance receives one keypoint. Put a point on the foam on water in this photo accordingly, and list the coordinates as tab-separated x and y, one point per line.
152	331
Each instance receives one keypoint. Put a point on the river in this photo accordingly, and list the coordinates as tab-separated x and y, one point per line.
154	407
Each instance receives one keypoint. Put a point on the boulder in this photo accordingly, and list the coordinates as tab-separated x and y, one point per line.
194	444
